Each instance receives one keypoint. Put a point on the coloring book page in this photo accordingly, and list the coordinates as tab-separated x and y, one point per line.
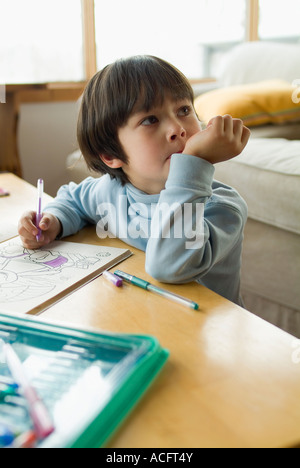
32	280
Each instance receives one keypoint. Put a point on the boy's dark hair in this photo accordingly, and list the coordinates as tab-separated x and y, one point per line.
111	97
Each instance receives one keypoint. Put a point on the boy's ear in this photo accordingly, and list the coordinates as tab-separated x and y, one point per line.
110	161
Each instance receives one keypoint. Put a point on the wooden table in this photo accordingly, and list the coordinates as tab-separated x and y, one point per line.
232	379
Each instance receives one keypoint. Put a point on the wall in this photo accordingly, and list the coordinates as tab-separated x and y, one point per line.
46	135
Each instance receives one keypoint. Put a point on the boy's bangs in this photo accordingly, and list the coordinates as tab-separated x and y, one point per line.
143	82
153	94
157	82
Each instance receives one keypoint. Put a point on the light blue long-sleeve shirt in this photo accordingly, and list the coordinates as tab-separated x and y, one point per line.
192	230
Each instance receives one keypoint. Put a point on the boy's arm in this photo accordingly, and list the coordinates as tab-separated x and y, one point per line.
215	221
74	206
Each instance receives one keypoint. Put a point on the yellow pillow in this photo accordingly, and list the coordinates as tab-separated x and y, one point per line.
256	104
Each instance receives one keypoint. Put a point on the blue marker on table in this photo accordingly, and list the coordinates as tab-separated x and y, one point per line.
39	214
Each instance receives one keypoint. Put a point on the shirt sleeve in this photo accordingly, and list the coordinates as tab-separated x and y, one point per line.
196	223
75	206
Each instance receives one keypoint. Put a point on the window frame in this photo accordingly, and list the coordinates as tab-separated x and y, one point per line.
88	8
70	91
89	48
89	38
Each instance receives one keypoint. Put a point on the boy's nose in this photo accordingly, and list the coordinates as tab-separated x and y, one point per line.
176	132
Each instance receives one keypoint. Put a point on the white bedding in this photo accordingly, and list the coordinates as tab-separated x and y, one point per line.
266	174
273	154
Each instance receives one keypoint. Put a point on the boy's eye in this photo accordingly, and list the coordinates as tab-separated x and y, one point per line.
184	110
150	120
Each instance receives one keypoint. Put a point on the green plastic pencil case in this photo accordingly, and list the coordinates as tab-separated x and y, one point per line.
88	380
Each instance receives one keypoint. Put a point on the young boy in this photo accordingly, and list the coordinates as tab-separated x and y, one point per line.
137	125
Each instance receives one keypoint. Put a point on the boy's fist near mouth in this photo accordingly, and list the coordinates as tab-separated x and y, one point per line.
223	139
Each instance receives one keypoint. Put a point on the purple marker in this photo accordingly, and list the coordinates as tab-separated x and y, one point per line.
116	280
39	214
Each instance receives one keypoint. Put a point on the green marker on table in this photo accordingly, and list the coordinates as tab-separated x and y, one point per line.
155	289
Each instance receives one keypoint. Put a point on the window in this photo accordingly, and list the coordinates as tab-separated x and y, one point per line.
40	41
54	40
279	20
174	30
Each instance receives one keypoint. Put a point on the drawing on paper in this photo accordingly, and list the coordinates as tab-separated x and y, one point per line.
35	275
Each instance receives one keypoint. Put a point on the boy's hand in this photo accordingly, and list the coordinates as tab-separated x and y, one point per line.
223	139
49	225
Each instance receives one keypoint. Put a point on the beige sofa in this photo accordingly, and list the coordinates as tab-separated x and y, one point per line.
267	175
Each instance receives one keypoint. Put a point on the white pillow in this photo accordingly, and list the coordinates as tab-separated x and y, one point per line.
251	62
